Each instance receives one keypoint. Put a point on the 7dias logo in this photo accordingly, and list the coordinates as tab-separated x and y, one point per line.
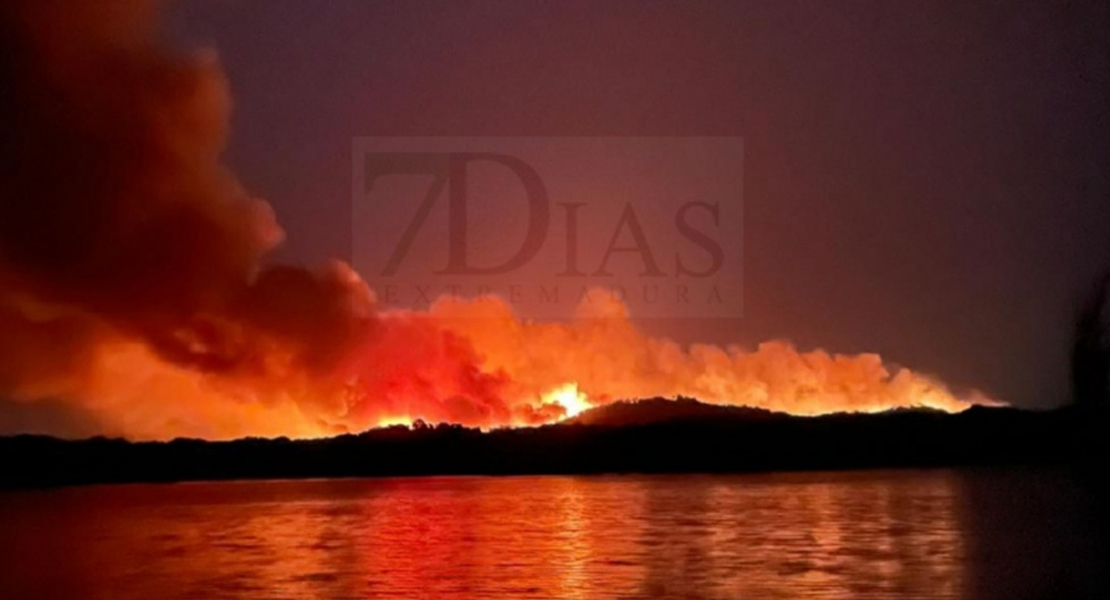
657	222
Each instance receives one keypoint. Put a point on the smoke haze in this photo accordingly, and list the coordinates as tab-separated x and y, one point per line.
135	298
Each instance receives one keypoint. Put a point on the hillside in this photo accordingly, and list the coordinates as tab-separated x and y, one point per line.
651	436
658	410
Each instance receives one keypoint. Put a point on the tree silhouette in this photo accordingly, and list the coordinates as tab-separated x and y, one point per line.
1090	353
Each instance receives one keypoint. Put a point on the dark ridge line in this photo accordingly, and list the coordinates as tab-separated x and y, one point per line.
632	438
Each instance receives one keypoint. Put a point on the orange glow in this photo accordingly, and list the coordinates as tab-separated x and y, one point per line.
394	421
473	362
568	397
165	316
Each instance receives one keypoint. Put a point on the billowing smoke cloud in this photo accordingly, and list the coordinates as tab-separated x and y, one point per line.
127	251
609	359
132	287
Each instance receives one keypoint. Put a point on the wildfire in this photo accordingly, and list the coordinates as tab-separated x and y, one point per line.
162	316
569	398
394	421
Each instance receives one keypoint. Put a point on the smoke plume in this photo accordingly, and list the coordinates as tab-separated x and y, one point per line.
134	292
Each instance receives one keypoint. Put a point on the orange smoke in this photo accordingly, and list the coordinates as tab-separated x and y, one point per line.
134	299
471	362
603	353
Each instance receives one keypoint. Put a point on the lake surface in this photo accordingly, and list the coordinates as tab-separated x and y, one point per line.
881	534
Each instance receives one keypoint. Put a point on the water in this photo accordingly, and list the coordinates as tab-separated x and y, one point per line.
895	534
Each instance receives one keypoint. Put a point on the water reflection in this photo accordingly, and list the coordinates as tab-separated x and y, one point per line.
1033	537
812	535
924	534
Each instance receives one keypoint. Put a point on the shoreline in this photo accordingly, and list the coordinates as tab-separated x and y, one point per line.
725	443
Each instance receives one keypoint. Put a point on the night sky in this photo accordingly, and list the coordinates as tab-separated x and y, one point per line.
924	180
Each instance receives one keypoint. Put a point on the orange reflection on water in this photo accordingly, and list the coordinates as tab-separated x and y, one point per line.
830	536
769	536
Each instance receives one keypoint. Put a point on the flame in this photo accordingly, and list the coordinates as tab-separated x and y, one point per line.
137	297
467	361
394	421
567	396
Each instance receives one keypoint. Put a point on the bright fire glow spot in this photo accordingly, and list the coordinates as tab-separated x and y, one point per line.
391	421
568	396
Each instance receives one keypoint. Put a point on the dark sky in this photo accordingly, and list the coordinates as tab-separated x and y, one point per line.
927	180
